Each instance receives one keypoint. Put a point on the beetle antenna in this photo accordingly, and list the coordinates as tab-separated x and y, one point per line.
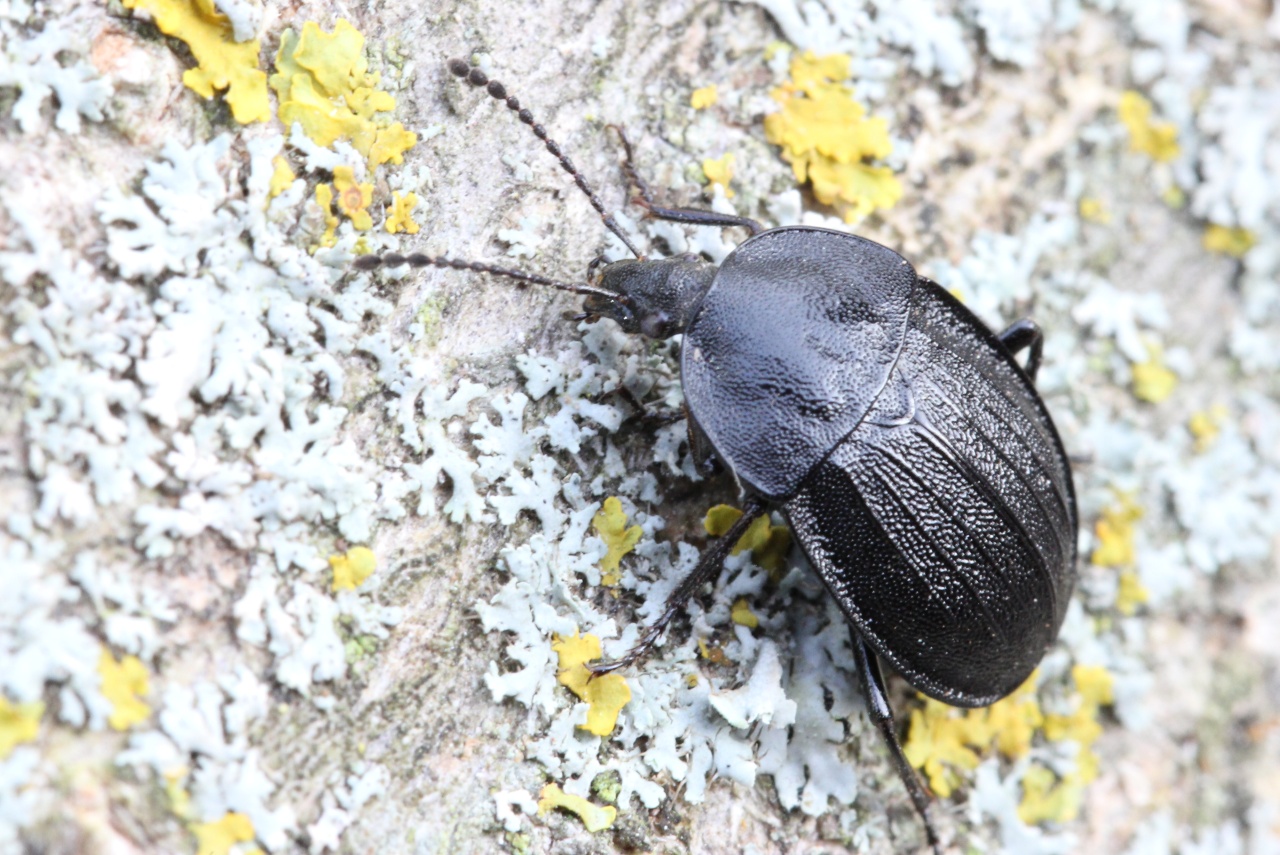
477	78
418	259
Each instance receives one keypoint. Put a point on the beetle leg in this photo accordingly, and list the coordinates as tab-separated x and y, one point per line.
1025	333
700	217
707	569
651	417
695	216
704	456
654	419
882	714
593	265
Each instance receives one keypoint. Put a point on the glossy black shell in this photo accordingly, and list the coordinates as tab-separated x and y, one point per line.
909	452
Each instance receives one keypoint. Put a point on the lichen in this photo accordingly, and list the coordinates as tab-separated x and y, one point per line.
220	836
1094	210
223	63
353	197
400	214
1232	241
606	695
124	683
352	568
1157	140
829	140
938	744
1115	531
742	615
1047	796
942	741
50	64
282	176
324	84
1205	426
1153	381
767	542
1130	593
19	723
704	97
720	172
324	200
946	743
594	818
610	523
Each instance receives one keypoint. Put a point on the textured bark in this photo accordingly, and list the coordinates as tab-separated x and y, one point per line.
418	707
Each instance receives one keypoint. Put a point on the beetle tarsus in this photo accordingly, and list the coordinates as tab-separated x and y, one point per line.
1023	334
882	714
707	569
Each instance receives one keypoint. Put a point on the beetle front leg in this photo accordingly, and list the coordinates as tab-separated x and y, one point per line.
693	216
882	714
1022	334
708	569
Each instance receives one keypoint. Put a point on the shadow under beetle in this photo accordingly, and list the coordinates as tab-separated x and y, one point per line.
910	454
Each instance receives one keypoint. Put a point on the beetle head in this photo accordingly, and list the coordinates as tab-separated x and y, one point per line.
654	298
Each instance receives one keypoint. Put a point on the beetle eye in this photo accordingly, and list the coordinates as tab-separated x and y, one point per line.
624	316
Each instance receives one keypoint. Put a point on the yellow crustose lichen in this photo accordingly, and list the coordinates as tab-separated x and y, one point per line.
829	139
943	742
400	214
1159	140
1115	531
606	694
19	723
282	176
123	684
220	836
1044	795
353	197
223	64
1234	242
704	97
1094	211
594	818
1153	381
610	524
323	83
1205	426
768	542
352	568
720	171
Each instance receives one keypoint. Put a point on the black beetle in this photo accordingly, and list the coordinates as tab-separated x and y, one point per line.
904	445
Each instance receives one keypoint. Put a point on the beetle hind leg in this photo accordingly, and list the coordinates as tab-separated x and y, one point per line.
693	216
707	569
1023	334
646	415
882	714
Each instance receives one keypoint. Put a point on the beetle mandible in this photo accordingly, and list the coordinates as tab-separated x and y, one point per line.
904	445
